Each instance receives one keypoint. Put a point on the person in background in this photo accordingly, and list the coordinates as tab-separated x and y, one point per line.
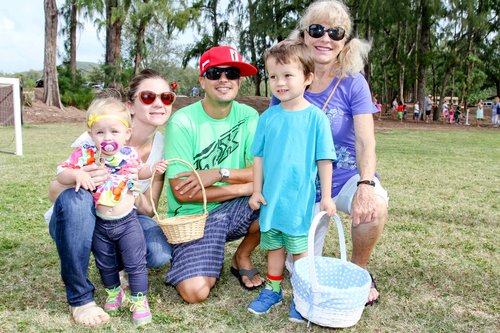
73	216
428	108
377	105
446	108
434	111
450	114
194	91
495	112
400	111
457	116
394	109
416	112
341	91
379	108
479	113
173	86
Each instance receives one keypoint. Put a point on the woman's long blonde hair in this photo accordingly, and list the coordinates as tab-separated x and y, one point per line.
354	55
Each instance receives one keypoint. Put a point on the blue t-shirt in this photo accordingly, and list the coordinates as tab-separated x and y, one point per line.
351	98
290	144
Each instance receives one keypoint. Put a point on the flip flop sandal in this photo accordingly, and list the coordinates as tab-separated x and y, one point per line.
373	285
249	273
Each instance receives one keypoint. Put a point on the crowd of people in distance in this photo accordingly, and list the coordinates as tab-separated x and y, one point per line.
450	113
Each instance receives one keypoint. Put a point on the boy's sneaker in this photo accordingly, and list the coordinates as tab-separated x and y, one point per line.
294	316
265	301
140	310
114	300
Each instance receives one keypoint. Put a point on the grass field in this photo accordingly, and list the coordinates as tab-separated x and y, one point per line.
437	264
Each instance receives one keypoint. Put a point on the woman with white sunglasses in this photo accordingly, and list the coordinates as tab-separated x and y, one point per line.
341	91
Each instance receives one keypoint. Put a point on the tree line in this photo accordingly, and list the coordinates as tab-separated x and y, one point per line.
419	47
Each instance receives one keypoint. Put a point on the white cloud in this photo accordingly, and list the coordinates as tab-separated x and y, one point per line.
6	25
90	45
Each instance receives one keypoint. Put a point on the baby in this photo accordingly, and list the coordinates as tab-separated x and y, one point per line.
118	240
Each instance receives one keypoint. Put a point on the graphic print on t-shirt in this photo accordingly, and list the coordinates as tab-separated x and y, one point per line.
216	152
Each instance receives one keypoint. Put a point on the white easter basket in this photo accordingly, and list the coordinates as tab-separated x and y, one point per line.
329	291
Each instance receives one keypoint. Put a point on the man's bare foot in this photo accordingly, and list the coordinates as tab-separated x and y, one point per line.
374	295
89	314
244	263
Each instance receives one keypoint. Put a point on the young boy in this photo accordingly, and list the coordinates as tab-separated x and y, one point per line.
295	133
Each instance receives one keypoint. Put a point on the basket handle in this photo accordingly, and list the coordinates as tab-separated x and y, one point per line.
310	245
197	176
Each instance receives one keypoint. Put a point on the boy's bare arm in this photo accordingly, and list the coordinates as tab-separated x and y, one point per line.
325	171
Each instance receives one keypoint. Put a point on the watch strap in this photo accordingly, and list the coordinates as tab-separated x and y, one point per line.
366	182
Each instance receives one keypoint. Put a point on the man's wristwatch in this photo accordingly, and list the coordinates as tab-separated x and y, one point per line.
225	173
367	182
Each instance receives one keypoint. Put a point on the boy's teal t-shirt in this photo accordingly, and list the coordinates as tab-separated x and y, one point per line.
290	144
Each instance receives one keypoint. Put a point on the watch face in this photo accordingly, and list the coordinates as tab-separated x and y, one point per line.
224	172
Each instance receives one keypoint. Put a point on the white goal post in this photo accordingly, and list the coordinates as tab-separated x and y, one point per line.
13	101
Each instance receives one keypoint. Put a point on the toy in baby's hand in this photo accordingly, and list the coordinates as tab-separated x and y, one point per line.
109	146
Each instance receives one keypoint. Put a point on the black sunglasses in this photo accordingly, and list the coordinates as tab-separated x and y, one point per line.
214	73
317	31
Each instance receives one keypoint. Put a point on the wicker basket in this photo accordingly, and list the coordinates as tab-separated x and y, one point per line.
186	228
329	291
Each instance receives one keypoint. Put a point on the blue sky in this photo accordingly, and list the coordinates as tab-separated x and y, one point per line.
22	30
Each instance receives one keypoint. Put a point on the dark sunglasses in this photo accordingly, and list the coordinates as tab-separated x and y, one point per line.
148	97
214	73
317	31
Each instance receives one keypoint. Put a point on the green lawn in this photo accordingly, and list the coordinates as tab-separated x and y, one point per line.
437	263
